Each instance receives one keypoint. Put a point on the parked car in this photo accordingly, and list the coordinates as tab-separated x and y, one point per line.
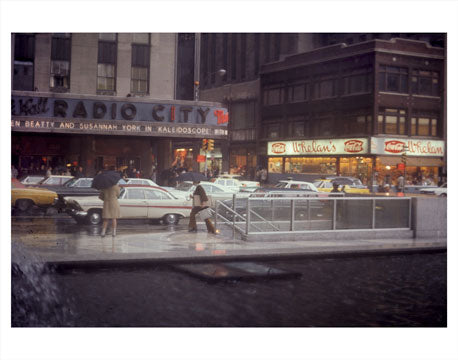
140	181
54	180
136	202
72	187
297	185
214	191
31	179
345	180
23	198
236	182
326	186
439	191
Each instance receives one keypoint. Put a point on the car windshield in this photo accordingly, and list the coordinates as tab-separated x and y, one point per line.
70	183
281	185
184	186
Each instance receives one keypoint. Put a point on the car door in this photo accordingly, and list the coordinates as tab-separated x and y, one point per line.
133	204
156	203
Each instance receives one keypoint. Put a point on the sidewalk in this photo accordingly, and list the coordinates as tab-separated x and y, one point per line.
181	246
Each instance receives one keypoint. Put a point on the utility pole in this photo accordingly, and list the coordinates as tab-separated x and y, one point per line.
404	161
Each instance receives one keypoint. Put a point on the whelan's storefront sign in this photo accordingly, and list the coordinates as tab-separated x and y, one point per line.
117	117
322	147
411	147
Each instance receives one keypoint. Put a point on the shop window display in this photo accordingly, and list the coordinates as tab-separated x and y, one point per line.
321	165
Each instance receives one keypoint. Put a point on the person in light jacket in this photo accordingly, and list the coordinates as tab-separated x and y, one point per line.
196	207
111	209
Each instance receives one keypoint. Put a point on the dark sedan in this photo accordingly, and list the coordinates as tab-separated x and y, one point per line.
73	187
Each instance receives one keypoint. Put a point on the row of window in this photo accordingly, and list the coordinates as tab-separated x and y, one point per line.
390	79
61	61
389	121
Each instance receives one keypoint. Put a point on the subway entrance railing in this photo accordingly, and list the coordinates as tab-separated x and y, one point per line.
253	215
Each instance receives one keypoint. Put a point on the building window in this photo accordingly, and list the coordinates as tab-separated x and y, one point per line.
423	126
357	124
139	83
357	83
272	131
392	121
324	88
425	82
273	96
393	79
298	92
242	115
24	56
106	65
60	62
297	129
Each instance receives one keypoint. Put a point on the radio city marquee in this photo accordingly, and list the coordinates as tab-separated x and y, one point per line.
318	147
116	117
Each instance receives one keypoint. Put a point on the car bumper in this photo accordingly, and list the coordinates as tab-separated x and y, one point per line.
77	214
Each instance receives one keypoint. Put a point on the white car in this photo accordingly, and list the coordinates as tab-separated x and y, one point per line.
214	191
234	181
32	179
293	184
140	181
136	202
439	191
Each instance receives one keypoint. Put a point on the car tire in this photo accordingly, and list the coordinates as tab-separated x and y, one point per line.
171	219
24	204
94	217
443	195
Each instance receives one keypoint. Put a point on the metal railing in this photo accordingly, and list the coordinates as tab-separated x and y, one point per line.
257	215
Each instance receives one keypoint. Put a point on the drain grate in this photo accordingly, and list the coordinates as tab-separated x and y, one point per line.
235	271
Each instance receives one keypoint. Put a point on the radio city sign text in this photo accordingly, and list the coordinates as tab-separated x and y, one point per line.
84	109
318	147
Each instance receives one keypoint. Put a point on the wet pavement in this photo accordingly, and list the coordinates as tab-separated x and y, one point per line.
61	241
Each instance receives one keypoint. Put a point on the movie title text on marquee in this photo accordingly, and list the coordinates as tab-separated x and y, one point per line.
120	128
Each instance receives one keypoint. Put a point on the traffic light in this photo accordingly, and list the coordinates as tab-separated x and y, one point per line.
211	145
204	144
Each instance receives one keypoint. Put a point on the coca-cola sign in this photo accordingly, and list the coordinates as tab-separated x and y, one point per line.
278	148
412	147
323	147
394	146
353	146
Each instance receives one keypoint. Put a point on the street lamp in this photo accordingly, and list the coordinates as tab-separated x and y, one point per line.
220	72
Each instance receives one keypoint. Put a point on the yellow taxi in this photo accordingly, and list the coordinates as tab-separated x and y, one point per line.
325	185
23	198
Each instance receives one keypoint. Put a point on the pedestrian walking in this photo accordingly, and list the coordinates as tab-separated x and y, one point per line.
79	173
263	176
111	209
49	172
199	202
335	188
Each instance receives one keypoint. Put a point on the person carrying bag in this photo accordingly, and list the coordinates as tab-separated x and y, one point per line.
200	203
